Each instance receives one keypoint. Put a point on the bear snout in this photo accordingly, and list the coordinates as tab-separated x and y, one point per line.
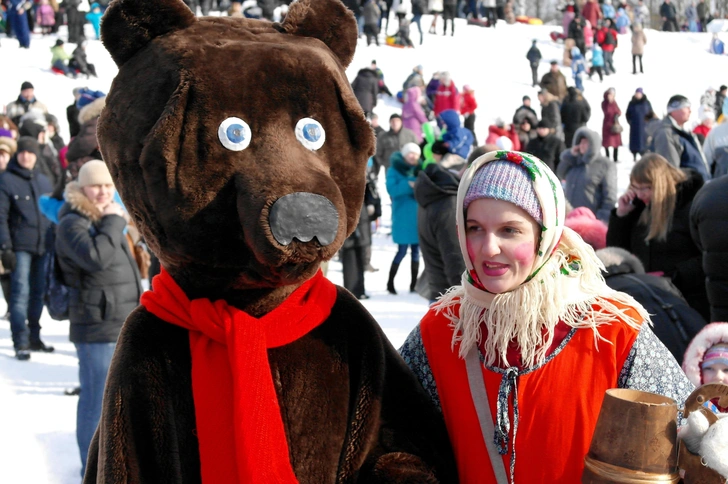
303	216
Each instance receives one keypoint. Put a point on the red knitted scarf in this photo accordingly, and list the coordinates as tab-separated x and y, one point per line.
239	425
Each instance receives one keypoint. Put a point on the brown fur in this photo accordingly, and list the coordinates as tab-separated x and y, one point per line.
352	410
78	201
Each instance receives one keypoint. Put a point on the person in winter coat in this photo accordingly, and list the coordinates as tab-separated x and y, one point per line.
608	10
525	111
707	121
551	112
390	142
47	162
22	242
691	17
85	146
431	89
709	230
60	58
76	14
706	359
415	79
591	12
576	32
45	17
554	81
80	62
652	221
72	113
546	145
611	129
607	39
639	39
371	14
419	8
104	285
353	256
674	322
17	18
366	89
401	176
591	180
597	62
703	12
622	22
447	95
500	130
534	59
25	103
526	132
578	68
676	144
501	336
653	124
720	97
641	14
467	107
94	18
436	192
716	151
458	140
575	113
449	12
413	116
637	110
669	17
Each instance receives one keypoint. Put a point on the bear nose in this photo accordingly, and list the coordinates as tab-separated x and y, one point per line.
303	216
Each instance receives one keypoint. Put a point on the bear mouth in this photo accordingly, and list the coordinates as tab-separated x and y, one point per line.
303	217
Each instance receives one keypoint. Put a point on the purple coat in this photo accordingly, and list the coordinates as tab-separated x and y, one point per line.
610	110
413	116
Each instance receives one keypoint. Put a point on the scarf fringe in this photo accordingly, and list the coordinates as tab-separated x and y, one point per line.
569	288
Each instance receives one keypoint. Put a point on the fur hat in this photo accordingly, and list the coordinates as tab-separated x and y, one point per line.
711	335
94	172
8	145
507	181
411	148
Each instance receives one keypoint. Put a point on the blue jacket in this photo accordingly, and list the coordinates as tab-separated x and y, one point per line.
404	205
597	56
458	139
22	227
608	11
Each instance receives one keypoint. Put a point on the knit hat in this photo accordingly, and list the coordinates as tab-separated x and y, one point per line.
504	143
543	124
411	148
87	97
507	181
26	143
8	145
640	90
94	172
716	354
26	85
5	133
677	102
59	42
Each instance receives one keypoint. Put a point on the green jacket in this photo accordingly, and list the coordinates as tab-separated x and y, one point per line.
59	53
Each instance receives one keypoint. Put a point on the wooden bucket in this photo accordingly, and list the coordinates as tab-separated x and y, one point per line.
634	440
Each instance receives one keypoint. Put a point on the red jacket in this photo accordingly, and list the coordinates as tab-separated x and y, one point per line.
702	130
468	104
494	132
602	39
592	12
446	97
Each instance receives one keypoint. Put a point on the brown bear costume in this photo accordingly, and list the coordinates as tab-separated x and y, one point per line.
239	150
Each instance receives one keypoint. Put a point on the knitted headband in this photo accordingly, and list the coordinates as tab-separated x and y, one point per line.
716	354
544	184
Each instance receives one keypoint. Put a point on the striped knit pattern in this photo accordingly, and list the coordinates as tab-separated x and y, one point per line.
507	181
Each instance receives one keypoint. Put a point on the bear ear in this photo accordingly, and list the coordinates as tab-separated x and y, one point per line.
129	25
327	20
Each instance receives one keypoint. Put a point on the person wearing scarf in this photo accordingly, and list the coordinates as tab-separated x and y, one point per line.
519	356
706	359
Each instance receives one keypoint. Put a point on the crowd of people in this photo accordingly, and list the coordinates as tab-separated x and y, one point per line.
66	241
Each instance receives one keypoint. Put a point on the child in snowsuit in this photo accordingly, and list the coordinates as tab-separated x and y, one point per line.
45	16
578	68
94	17
597	62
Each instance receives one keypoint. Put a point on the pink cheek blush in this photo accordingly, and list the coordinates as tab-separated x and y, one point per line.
471	252
524	253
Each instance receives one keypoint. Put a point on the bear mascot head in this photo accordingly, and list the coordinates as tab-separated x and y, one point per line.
239	150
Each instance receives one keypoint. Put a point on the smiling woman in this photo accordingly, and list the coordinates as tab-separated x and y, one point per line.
532	290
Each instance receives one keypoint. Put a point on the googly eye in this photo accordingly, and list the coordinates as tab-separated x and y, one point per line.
310	133
234	134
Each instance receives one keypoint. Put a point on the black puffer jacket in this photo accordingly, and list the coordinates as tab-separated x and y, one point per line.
98	266
22	227
436	191
575	112
678	256
709	228
548	149
366	87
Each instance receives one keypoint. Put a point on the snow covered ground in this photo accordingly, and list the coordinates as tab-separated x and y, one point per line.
37	422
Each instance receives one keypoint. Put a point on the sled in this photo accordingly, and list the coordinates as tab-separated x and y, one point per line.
557	36
481	22
535	21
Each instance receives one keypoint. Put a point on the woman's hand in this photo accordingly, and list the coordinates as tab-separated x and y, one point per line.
115	209
624	203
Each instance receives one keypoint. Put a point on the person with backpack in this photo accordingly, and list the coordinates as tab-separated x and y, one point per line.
104	284
607	40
